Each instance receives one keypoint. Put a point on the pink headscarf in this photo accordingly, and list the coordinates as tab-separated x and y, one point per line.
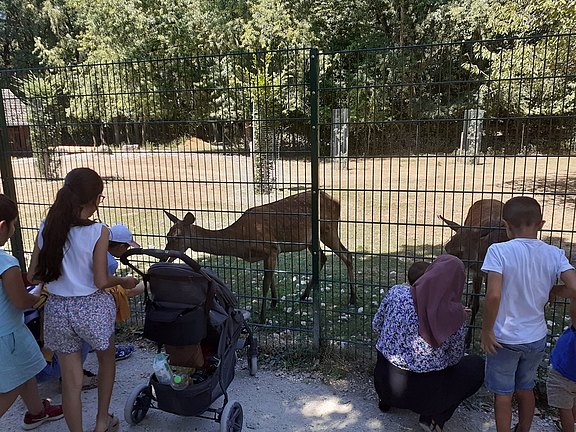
437	298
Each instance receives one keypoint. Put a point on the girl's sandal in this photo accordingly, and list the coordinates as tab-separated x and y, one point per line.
113	424
435	426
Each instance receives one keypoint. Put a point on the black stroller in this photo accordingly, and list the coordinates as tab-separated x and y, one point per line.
187	305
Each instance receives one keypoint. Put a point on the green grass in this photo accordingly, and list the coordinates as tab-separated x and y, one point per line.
386	228
290	323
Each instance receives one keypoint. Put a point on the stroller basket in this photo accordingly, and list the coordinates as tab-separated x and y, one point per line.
196	398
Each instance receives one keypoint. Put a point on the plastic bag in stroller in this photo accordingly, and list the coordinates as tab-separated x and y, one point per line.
192	313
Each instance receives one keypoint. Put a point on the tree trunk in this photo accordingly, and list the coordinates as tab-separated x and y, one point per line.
116	132
138	133
102	134
263	160
143	136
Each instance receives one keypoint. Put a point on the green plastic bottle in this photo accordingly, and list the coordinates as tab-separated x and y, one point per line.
179	381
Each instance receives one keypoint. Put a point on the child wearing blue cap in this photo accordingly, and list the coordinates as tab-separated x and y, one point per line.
121	239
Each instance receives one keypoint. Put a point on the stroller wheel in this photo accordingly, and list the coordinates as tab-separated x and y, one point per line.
232	417
137	404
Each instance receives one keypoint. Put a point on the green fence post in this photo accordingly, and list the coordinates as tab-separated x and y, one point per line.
315	157
8	183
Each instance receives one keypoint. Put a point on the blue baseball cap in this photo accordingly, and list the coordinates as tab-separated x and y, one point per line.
121	234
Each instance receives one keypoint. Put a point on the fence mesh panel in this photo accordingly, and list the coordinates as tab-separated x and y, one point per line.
405	134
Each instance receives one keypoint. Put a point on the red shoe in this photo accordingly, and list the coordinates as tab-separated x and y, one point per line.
49	413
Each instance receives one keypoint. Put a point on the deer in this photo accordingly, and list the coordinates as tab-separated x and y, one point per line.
261	233
482	227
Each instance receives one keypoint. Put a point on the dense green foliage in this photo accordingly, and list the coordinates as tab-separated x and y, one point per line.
514	73
63	32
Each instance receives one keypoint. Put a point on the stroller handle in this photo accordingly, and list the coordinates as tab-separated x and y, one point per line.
161	254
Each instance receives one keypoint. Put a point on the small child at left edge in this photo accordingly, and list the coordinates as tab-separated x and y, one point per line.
561	383
20	356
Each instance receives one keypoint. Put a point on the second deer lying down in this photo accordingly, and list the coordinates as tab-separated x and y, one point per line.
482	227
263	232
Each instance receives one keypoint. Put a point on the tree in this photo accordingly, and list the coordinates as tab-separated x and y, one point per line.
523	70
26	25
270	28
46	114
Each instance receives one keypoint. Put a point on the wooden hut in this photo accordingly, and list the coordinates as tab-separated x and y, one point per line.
17	124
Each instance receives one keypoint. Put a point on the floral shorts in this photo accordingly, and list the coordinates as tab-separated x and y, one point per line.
70	320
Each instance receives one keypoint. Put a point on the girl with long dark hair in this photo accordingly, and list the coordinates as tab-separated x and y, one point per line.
70	257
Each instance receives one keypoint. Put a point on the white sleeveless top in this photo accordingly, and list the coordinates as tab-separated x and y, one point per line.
77	277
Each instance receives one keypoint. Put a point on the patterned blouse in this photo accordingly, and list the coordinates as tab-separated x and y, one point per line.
399	341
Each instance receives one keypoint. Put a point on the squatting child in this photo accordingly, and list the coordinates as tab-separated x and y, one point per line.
121	239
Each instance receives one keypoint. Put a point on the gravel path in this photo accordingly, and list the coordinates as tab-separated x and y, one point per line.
271	401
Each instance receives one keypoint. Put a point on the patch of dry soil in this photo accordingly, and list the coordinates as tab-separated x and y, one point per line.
271	401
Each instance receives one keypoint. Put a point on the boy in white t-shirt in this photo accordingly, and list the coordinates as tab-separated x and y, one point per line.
521	274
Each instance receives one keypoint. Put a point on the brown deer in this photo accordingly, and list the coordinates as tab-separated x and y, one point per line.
482	227
262	232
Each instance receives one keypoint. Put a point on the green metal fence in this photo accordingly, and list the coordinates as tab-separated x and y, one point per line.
397	136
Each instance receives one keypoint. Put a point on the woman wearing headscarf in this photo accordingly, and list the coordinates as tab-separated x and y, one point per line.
421	364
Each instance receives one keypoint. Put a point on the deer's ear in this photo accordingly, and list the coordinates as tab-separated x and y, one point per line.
451	224
495	232
189	219
487	231
172	217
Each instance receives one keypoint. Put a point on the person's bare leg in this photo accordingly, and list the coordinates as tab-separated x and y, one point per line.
31	396
526	406
503	412
567	417
72	376
7	399
106	376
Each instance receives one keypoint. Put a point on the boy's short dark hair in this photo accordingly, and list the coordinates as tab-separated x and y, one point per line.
522	211
416	270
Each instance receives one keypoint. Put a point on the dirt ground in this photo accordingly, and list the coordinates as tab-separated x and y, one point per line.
387	204
273	400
